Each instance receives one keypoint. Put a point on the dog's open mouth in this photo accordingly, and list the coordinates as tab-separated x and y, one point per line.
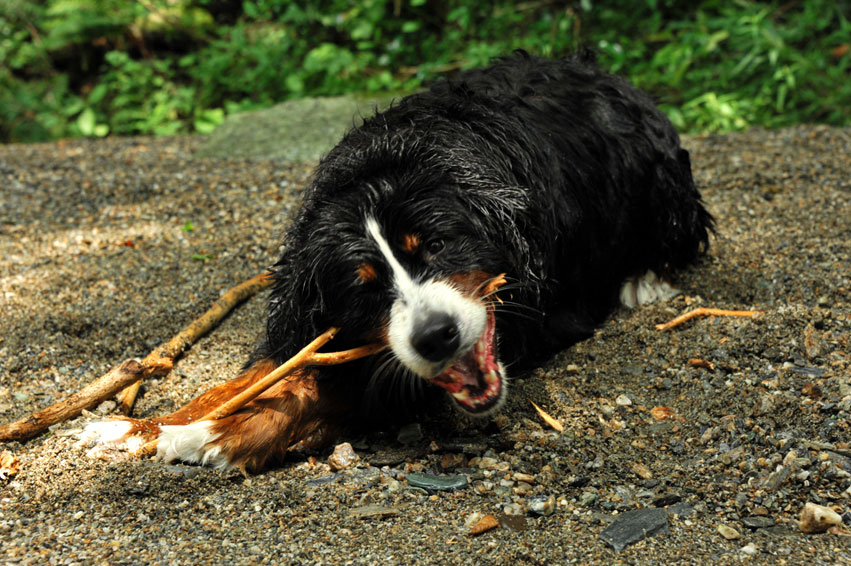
475	379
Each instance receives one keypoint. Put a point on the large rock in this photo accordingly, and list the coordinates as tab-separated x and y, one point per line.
296	130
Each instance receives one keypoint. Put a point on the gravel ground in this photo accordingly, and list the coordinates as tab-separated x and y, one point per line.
108	247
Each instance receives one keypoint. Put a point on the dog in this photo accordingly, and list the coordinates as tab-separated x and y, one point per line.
561	180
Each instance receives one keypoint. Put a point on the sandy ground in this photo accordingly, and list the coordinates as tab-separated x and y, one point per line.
108	247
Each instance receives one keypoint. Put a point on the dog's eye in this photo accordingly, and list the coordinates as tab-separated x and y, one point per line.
435	246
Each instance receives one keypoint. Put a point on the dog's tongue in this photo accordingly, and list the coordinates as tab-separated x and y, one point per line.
473	379
465	372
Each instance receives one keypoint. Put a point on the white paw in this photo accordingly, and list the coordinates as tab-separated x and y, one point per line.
192	443
645	290
109	440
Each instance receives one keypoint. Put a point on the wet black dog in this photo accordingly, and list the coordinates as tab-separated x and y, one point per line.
565	179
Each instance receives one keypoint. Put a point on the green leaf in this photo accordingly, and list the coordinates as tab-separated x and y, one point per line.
86	122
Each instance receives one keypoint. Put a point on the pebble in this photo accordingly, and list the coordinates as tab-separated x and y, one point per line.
343	457
758	522
633	526
587	498
431	482
542	504
749	549
373	511
641	471
728	533
623	401
512	509
483	525
817	518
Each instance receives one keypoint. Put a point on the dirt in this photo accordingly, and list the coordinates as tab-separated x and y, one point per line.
107	248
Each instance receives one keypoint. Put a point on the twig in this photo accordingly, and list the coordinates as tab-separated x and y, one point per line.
306	357
550	420
90	396
703	311
129	375
164	356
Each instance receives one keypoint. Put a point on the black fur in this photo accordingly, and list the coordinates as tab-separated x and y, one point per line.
564	177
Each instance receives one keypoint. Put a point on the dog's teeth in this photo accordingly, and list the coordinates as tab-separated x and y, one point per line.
462	395
490	377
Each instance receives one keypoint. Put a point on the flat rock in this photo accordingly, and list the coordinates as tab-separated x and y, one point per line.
633	526
432	482
758	522
296	130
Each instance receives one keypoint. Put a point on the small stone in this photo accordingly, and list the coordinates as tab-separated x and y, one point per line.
512	509
343	457
662	413
758	522
483	525
183	470
542	505
587	498
486	463
728	533
451	461
818	519
749	549
681	509
633	526
623	401
665	500
373	511
777	478
432	482
642	471
519	476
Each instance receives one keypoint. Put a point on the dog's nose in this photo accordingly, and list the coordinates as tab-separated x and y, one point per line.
435	337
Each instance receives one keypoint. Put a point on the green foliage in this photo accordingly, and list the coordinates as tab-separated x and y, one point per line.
99	67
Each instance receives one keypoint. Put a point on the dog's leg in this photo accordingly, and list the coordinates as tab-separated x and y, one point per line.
289	412
285	414
648	288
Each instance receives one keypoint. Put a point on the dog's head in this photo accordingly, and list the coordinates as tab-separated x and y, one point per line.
441	326
409	248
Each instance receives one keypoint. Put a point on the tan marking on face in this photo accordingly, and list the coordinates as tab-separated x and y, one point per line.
367	273
474	283
411	242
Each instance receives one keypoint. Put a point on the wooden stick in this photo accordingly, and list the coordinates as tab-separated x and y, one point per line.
164	356
129	375
306	357
90	396
702	311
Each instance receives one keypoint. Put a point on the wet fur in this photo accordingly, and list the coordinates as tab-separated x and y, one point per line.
564	177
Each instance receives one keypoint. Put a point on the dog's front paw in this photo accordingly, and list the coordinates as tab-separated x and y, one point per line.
193	443
117	439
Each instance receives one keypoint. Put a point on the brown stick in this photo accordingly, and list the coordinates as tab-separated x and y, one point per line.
164	356
90	396
702	311
306	357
